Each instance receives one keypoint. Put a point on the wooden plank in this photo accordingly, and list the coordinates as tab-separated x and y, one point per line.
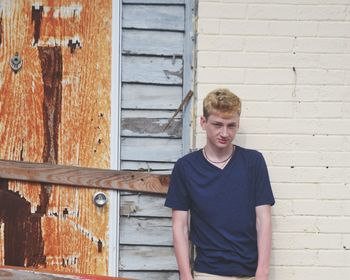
159	17
161	114
146	258
84	177
153	167
151	149
146	231
140	96
140	205
154	2
152	70
15	273
152	42
159	275
151	127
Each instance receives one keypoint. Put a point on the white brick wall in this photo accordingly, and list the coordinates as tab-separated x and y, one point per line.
299	119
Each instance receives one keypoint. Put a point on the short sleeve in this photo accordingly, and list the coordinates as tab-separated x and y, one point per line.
263	190
178	197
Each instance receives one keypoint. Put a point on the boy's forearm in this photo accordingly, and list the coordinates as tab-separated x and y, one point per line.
264	234
181	247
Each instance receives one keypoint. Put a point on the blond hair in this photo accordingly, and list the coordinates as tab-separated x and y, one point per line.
221	100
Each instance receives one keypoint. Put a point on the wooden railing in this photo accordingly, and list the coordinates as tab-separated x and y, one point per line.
84	177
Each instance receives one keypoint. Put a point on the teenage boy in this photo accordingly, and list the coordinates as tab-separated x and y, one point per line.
226	189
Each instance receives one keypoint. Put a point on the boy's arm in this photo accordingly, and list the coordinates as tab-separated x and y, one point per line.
264	233
181	244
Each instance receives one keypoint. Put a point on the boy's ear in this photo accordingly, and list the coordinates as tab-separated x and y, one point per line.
202	121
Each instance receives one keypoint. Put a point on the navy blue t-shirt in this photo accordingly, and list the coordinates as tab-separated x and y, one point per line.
222	205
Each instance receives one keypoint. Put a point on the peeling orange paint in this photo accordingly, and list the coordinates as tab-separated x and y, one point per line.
74	232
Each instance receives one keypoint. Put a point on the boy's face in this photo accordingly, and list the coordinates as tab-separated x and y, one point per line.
221	129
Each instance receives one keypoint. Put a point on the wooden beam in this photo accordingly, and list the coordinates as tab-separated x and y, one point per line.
13	273
84	177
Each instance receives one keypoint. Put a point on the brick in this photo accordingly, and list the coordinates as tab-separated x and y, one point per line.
295	60
334	29
293	28
311	127
292	142
208	26
320	45
320	77
309	175
212	75
324	12
269	44
221	10
244	60
312	241
220	43
244	27
269	76
309	273
312	207
328	154
275	12
335	61
330	191
311	224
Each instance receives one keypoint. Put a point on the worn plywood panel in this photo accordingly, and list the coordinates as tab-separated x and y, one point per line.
140	96
47	116
141	205
152	70
146	258
152	42
147	149
145	275
146	231
159	17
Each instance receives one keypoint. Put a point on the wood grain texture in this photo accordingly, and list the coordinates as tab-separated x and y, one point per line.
57	109
84	177
147	258
158	17
171	149
138	205
159	275
141	96
154	231
151	42
152	70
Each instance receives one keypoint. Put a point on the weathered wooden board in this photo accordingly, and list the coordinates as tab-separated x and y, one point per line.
158	17
152	127
136	96
154	1
154	231
83	177
15	273
153	167
138	205
171	149
146	258
152	42
56	109
152	70
159	275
